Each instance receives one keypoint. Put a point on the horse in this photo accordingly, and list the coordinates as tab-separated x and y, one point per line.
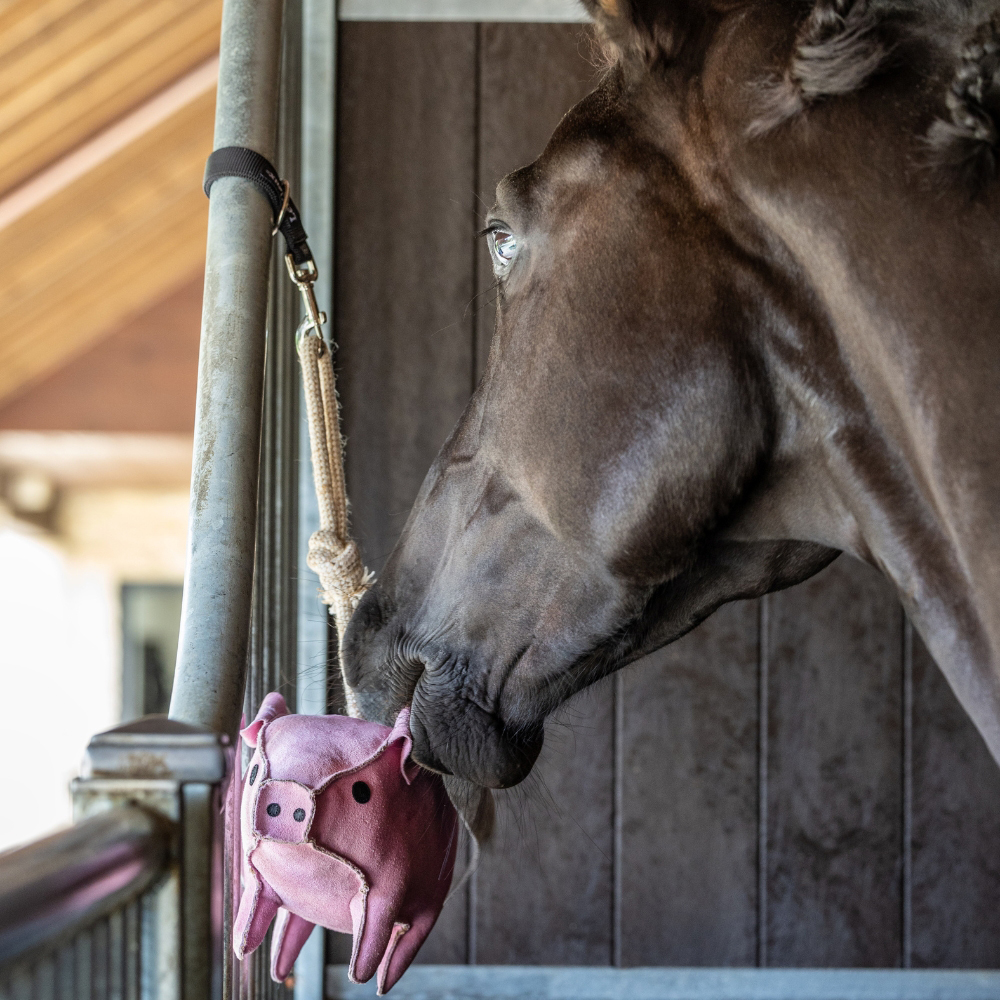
746	322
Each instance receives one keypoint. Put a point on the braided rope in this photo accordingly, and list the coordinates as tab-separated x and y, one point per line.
333	556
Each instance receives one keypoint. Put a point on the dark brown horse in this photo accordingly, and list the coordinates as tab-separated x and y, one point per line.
747	320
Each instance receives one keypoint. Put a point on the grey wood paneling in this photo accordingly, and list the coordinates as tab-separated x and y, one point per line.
834	789
543	889
405	189
956	830
530	76
689	795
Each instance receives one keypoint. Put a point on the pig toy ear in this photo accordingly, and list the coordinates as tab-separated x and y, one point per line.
272	707
401	731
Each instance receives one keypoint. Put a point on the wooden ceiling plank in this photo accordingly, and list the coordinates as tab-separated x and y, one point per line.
64	227
153	27
91	321
29	141
142	274
90	243
24	22
58	137
72	29
107	143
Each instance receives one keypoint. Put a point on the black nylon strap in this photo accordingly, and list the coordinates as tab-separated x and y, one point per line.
237	161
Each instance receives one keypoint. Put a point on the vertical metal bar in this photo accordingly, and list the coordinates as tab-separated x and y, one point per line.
116	955
133	949
317	186
273	648
99	959
215	623
84	964
197	883
763	716
45	978
64	973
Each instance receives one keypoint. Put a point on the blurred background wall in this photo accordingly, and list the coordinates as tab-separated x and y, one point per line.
106	118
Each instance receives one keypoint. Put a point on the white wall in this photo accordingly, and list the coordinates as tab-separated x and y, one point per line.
60	637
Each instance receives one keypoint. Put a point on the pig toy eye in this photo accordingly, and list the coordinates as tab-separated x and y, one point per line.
361	792
253	773
274	809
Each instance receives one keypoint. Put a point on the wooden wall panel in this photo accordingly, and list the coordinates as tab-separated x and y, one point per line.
834	788
404	279
689	795
543	891
405	189
530	76
956	830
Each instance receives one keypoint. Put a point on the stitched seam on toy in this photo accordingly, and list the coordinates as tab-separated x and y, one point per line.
364	902
258	889
399	930
353	770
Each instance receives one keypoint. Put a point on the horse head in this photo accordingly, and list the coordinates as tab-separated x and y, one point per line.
709	373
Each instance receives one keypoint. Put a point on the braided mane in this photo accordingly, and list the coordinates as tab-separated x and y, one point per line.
841	44
966	146
838	47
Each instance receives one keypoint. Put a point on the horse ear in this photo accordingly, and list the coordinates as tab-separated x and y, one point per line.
652	30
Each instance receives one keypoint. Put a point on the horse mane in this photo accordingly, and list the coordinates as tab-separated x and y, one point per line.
838	47
841	44
966	146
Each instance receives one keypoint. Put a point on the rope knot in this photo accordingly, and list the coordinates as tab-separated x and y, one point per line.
338	565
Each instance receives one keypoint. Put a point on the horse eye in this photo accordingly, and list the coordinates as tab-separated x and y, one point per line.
361	792
504	246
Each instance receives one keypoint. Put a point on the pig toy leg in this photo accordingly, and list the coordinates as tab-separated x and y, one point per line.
257	909
403	947
290	934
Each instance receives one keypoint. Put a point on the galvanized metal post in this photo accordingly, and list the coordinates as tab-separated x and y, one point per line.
215	622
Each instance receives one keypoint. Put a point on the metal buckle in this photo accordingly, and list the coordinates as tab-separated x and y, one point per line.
284	208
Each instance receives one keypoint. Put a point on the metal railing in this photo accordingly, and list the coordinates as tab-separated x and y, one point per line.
71	907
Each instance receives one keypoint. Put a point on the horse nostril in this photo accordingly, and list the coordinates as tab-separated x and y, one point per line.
361	792
274	809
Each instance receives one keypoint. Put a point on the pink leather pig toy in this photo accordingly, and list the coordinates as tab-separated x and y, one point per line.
340	828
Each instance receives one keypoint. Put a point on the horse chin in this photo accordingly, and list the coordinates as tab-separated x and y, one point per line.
474	804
